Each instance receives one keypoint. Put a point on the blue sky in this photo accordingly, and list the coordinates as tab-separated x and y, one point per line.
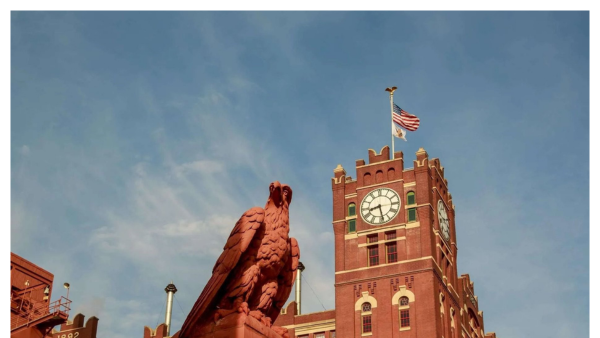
139	138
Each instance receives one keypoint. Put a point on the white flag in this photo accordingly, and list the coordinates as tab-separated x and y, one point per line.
398	132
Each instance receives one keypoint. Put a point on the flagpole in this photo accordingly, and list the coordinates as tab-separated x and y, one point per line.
391	90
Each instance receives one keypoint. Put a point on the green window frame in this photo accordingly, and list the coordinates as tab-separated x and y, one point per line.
351	209
351	225
410	198
412	214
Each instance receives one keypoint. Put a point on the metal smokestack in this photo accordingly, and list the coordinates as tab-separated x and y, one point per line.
299	287
170	290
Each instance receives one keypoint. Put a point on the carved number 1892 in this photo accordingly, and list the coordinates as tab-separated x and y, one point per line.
70	335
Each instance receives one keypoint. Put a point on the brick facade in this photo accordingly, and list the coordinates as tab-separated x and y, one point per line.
397	278
32	315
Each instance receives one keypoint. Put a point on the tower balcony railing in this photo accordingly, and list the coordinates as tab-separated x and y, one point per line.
34	311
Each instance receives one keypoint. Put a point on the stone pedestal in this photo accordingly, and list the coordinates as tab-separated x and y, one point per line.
236	325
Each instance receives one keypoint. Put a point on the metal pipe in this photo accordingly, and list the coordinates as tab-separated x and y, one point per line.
170	290
299	288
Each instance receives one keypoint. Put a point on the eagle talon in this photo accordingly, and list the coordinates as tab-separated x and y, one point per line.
282	331
244	308
267	321
256	314
238	306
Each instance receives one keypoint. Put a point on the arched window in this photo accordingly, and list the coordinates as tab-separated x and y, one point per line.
391	174
404	310
403	298
379	176
351	209
410	198
365	315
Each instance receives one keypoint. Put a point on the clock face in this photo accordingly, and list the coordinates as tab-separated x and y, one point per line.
380	206
443	220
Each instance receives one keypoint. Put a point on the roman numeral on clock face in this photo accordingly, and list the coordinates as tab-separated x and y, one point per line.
380	206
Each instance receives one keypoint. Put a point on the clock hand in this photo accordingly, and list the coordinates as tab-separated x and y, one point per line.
378	206
381	212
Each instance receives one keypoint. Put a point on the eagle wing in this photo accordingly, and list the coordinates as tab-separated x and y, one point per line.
285	280
240	238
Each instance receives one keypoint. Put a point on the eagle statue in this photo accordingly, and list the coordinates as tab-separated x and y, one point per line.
255	273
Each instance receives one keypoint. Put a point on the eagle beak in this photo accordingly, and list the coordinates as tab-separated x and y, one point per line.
277	193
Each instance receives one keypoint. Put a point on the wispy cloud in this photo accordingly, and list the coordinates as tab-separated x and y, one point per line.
138	143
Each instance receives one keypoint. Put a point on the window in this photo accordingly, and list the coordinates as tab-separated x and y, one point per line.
373	255
331	334
351	225
404	318
351	209
366	318
412	214
366	324
320	335
372	238
390	235
410	198
404	313
392	252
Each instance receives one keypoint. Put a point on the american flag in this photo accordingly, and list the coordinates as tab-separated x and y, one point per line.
404	119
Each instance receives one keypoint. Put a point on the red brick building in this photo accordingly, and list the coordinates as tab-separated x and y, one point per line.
395	257
32	315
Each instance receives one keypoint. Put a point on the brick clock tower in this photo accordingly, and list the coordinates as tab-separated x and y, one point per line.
395	252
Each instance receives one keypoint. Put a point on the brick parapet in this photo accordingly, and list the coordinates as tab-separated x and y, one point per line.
422	251
77	328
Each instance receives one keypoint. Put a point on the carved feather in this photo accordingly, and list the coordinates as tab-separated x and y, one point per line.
286	279
240	238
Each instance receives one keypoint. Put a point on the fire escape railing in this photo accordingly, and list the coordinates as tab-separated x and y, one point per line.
30	311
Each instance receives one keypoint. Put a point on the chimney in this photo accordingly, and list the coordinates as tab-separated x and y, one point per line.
299	287
170	290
